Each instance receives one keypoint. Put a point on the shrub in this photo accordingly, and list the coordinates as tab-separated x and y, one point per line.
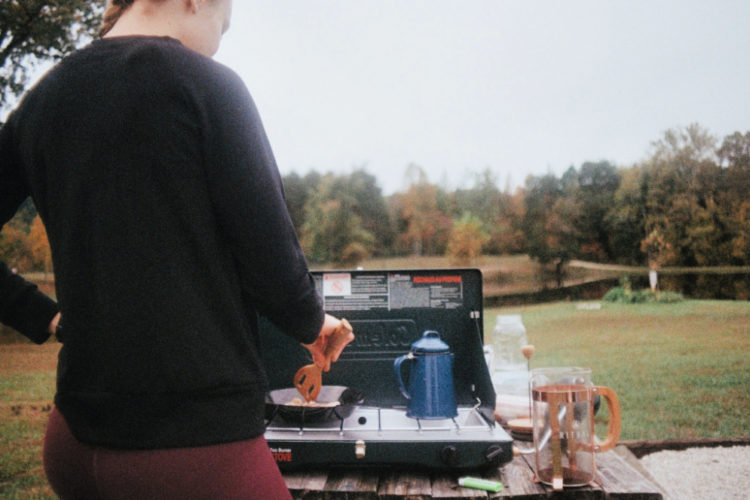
623	294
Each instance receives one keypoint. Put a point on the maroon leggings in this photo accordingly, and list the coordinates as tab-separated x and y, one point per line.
242	470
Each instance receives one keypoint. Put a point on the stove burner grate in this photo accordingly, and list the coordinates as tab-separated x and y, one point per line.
388	420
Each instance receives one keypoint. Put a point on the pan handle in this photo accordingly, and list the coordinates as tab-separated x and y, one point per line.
271	410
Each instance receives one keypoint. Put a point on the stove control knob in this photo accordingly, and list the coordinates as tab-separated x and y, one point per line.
450	456
359	449
494	454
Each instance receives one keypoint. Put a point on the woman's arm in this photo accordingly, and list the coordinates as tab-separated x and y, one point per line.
250	208
22	306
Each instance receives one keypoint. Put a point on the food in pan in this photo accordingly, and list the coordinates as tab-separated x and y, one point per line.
299	402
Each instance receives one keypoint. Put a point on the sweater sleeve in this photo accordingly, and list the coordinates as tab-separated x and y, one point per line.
248	196
22	306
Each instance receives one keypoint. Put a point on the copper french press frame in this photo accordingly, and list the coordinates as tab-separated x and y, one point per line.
564	438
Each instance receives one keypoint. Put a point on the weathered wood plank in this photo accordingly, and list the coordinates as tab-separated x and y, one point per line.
445	487
397	485
307	485
629	457
620	480
352	485
518	481
619	476
590	492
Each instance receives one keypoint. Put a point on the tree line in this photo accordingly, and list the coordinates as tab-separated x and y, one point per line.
687	204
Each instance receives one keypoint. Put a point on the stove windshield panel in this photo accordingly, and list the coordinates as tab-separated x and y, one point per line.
389	310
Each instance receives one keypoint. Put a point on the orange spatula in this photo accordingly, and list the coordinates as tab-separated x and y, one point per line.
308	379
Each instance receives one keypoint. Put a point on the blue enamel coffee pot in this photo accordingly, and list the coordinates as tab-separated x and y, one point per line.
431	393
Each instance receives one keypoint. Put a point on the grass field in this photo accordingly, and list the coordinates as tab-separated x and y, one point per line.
27	383
680	370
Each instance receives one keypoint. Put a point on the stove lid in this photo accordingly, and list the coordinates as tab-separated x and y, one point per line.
389	311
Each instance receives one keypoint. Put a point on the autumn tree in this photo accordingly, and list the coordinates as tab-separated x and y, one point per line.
683	176
540	194
499	212
333	231
423	224
657	250
740	238
626	217
596	185
32	31
548	232
735	150
39	249
297	192
687	196
734	155
14	246
372	209
507	236
482	199
467	238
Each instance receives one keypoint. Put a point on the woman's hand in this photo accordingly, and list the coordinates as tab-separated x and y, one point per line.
53	324
318	348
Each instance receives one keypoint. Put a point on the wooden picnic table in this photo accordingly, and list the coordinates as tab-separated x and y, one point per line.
620	476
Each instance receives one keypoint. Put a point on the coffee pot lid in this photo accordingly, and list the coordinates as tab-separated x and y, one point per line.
430	343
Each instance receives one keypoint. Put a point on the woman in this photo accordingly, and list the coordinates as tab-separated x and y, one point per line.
149	166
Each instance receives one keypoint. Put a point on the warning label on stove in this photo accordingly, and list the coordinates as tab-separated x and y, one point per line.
352	292
434	291
344	292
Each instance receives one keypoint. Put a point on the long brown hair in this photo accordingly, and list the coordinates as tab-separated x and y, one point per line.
113	13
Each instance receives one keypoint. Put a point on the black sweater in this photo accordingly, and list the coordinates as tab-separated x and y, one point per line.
165	212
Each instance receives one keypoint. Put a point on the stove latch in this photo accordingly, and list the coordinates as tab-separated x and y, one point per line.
359	449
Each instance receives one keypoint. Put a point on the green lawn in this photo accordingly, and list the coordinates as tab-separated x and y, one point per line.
680	370
27	382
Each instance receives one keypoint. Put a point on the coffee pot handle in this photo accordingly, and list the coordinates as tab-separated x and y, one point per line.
613	430
397	369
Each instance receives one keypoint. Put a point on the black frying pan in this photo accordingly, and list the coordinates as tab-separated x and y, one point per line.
277	403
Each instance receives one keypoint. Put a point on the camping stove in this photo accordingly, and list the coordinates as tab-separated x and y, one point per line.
386	436
389	310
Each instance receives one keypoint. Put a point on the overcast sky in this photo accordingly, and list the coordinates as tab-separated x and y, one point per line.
520	87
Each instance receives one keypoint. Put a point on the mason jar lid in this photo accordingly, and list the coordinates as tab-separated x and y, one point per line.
509	319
